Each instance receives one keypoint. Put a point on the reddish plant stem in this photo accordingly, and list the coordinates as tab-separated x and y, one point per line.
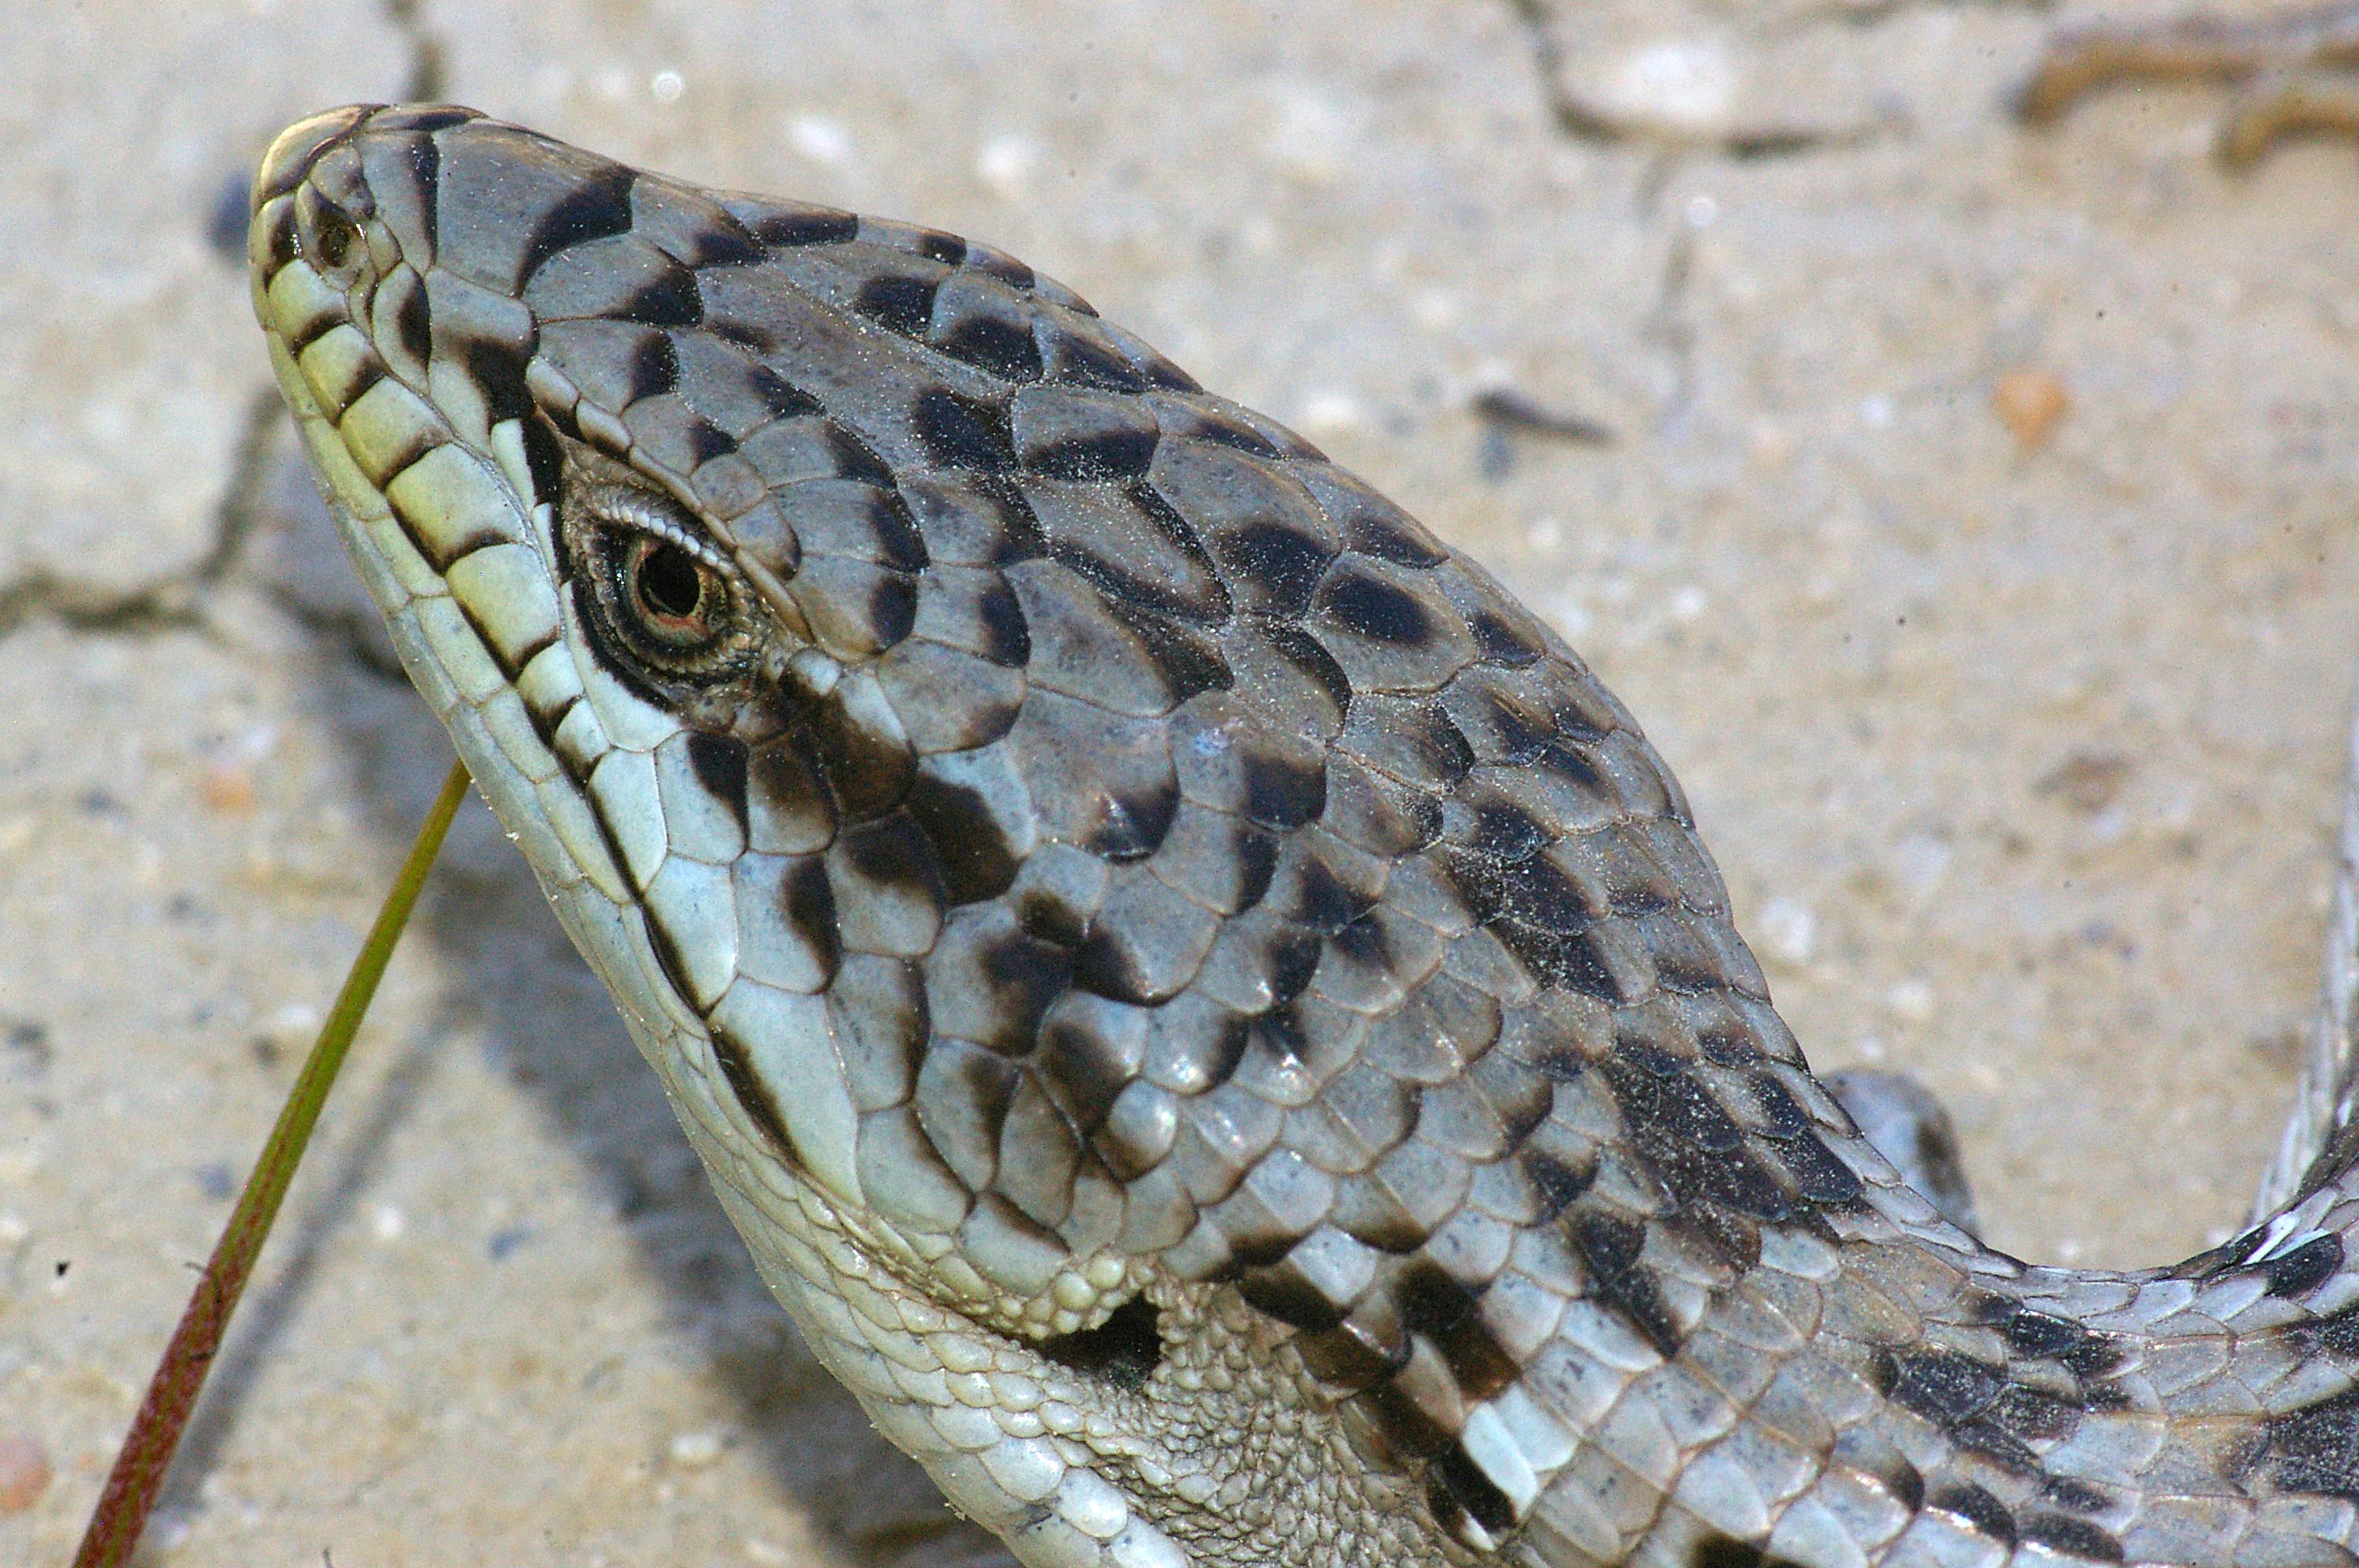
137	1478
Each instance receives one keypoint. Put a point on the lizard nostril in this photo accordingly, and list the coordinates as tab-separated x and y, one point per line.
334	240
328	237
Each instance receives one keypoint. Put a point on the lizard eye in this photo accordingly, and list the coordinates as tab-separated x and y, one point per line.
662	598
676	600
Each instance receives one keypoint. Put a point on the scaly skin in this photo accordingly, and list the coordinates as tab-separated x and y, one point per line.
1217	1027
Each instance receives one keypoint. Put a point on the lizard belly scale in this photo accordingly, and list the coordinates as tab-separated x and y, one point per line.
1218	1027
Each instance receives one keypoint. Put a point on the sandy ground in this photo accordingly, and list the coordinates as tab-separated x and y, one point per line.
2019	743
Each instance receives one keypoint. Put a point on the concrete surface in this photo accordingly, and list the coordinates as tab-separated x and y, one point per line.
1976	538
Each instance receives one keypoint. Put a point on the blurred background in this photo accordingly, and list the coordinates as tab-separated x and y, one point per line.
1966	511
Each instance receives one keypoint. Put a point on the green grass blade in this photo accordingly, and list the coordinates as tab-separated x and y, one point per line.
133	1486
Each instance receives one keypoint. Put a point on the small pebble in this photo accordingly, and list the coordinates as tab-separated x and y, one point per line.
217	1181
2088	782
696	1450
1789	932
1313	139
24	1472
290	1030
1006	164
1331	414
1911	1002
2031	403
1684	85
1768	446
1919	861
823	141
227	788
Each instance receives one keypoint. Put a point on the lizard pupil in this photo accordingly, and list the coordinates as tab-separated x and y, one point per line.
669	583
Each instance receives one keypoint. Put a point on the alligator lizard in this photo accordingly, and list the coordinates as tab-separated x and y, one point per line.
1217	1026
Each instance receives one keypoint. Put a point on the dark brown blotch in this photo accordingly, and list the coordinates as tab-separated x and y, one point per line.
1227	430
1946	1388
2306	1267
671	298
1411	1433
893	853
413	323
964	433
2072	1537
1305	653
1024	975
1500	641
1465	1485
784	400
749	336
598	208
1112	453
1368	607
497	370
1006	640
1131	823
897	302
1817	1173
1019	276
719	763
654	367
1366	1347
751	1092
1978	1510
970	845
714	239
1557	1183
788	228
1087	1055
1188	662
810	912
1282	1290
936	246
1610	1246
1068	357
1727	1551
994	344
706	441
1285	562
869	773
1505	831
1392	538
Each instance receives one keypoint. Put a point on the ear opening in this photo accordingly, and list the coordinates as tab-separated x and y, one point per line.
1124	1350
